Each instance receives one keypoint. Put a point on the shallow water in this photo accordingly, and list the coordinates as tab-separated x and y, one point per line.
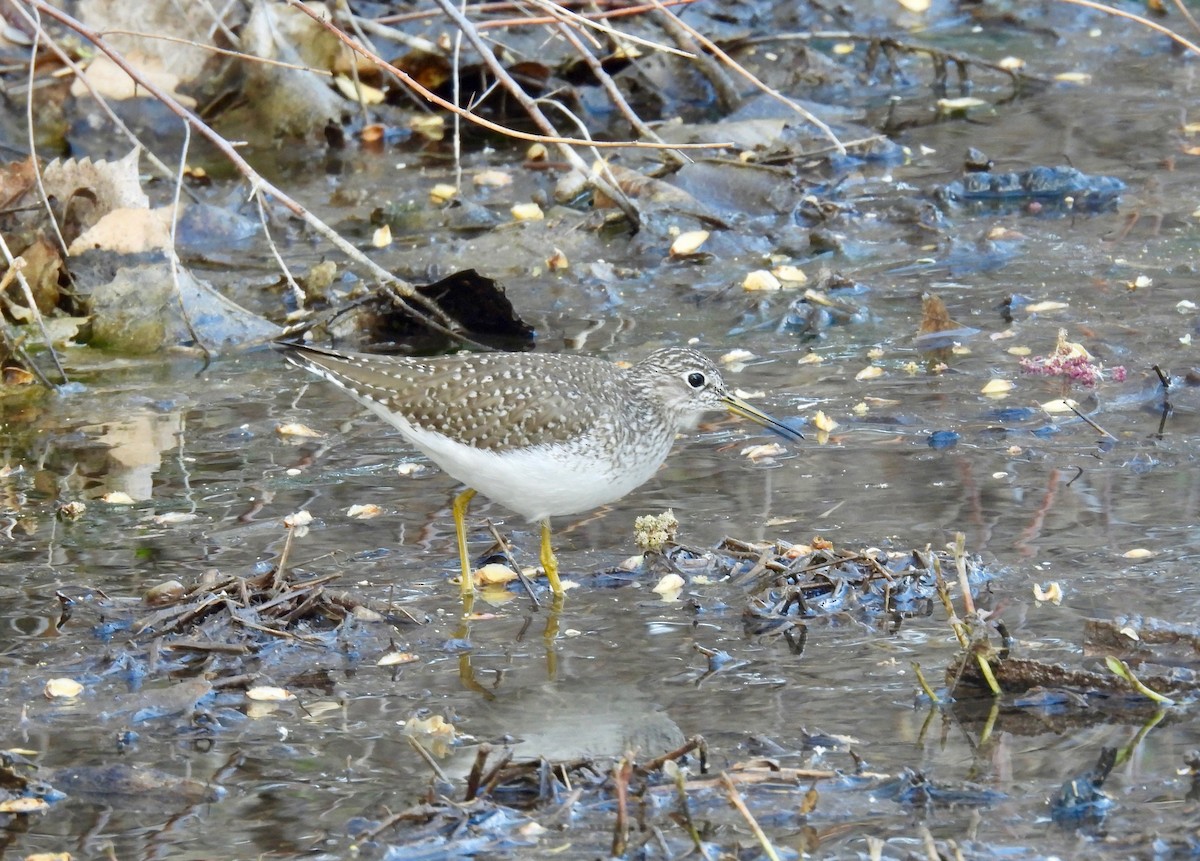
1035	496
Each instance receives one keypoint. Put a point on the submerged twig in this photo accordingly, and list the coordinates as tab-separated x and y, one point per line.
735	798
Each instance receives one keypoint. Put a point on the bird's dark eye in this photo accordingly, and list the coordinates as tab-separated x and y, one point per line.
696	380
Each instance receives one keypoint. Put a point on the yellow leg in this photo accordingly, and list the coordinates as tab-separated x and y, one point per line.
549	563
459	509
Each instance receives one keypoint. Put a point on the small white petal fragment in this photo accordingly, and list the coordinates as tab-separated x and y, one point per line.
269	694
558	262
62	689
823	422
997	387
870	372
1081	78
917	6
811	359
1011	64
527	212
443	192
688	243
364	512
298	430
736	358
1131	633
407	469
537	152
1052	593
764	451
1059	405
875	353
1139	553
669	587
396	659
117	497
1019	351
1185	306
761	281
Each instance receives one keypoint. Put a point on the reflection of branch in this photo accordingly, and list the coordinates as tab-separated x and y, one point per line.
604	183
434	316
487	55
709	45
1145	22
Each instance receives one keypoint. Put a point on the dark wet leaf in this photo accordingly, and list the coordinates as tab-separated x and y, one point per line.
944	439
479	304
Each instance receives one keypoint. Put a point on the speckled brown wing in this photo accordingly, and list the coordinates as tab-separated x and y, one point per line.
511	401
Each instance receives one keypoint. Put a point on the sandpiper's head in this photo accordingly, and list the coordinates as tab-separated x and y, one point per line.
687	384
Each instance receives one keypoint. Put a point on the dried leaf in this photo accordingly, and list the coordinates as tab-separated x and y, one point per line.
66	689
823	422
527	212
688	243
442	193
669	587
996	387
358	92
364	512
269	694
1139	553
396	659
764	451
382	237
492	178
298	430
761	281
493	574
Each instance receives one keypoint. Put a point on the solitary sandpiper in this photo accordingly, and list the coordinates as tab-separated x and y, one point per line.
540	433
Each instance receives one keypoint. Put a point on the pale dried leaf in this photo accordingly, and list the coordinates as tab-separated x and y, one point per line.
62	688
269	694
688	243
127	231
111	81
492	178
396	659
996	387
110	184
360	92
298	430
364	512
761	281
669	587
527	212
1139	553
